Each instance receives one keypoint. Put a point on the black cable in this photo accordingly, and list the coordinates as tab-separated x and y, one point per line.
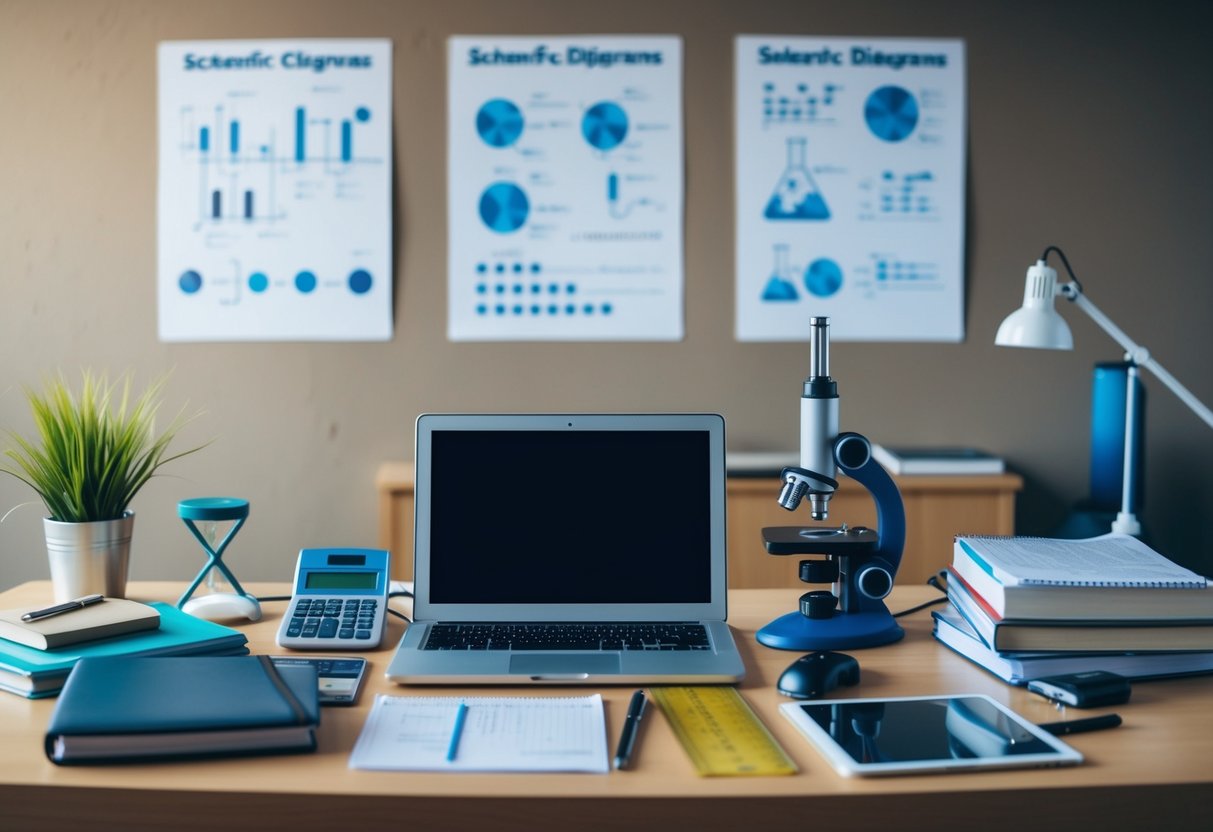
274	598
938	580
1069	270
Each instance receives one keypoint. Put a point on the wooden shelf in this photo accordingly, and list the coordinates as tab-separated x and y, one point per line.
937	509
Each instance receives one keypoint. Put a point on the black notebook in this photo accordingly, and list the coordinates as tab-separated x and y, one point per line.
122	708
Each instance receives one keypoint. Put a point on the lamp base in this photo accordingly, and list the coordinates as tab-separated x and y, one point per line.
1126	523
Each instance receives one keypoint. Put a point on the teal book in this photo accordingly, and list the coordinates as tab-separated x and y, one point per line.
121	709
30	672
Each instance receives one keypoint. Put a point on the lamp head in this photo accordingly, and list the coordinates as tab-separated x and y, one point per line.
1036	324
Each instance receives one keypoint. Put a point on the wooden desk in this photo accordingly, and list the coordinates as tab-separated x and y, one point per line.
1155	772
937	509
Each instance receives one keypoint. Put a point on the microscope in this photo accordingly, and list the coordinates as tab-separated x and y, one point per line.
860	564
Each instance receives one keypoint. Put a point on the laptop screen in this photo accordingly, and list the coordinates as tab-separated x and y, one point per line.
597	512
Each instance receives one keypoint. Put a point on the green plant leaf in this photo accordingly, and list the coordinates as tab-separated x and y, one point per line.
93	449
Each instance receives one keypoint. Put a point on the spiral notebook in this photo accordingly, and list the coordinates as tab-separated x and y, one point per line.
1112	560
1110	577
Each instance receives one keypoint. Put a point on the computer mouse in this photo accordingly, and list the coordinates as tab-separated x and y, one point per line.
816	674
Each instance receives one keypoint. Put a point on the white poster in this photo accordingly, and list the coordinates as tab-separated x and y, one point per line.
565	188
850	188
275	218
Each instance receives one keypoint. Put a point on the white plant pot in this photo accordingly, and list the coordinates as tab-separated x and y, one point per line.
87	558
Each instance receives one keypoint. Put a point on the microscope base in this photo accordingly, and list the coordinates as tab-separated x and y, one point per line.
845	631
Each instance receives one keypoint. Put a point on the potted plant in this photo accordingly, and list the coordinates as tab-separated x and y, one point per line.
93	450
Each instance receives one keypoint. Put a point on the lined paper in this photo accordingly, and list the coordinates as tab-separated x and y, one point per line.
500	733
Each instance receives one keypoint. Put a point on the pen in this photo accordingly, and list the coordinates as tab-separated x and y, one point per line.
1081	726
457	731
631	724
68	606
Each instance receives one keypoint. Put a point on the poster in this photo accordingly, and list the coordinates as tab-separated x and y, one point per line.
565	188
850	188
274	201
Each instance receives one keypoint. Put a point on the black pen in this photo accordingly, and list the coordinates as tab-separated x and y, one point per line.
68	606
1081	726
631	724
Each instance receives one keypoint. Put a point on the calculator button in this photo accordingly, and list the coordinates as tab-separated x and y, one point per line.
345	632
328	628
294	630
362	634
309	630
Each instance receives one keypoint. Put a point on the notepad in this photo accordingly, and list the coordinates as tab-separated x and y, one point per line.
499	733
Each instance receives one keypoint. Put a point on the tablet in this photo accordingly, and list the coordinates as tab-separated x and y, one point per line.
923	734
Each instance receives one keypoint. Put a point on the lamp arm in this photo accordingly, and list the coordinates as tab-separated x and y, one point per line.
1134	352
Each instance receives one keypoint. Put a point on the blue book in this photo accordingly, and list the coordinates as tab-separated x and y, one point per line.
120	708
30	672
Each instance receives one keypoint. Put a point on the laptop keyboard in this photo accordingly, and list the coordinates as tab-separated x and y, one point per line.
613	636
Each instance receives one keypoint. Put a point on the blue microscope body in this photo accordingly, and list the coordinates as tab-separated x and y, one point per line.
859	563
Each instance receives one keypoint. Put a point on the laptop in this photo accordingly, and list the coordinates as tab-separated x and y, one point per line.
569	549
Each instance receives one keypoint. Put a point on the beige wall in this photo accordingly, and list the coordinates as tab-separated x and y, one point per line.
1089	128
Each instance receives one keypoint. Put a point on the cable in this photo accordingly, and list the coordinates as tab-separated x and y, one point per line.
939	581
1069	270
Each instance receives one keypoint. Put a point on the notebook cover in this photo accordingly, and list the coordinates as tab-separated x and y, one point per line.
110	617
123	695
185	699
178	633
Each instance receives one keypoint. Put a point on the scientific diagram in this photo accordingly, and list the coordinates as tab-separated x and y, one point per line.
274	190
850	187
800	103
891	113
796	196
499	122
575	185
821	278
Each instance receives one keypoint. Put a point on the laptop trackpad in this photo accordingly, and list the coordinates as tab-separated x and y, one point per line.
571	666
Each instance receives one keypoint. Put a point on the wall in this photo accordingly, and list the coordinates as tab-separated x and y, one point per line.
1089	128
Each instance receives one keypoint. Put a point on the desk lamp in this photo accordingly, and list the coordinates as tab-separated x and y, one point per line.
1037	324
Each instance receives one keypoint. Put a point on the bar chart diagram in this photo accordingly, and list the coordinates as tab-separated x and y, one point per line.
274	190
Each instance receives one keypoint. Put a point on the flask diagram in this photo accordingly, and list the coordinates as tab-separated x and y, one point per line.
796	196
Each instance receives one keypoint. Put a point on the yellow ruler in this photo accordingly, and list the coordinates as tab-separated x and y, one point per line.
720	732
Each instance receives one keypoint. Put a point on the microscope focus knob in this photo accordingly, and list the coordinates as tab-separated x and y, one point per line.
819	571
874	580
818	604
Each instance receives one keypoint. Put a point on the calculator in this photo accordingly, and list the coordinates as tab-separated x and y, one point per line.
339	601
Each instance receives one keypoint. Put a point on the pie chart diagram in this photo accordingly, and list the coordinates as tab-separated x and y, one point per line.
823	277
605	125
499	122
891	113
504	207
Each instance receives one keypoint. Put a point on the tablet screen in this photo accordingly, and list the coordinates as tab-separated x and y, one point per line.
914	734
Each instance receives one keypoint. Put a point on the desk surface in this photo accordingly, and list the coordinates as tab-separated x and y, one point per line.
1158	766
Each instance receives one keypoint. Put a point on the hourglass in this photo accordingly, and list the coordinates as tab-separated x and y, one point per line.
216	605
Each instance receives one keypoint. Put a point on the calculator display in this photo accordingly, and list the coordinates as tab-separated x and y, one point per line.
341	580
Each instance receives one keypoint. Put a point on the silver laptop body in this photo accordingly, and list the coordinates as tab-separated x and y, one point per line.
550	519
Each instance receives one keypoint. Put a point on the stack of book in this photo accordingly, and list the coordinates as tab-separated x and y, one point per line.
36	657
1029	607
